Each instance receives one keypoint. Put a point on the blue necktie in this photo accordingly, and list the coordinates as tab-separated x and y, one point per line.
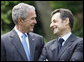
60	43
25	46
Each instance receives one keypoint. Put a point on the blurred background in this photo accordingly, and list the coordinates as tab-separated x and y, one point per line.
43	11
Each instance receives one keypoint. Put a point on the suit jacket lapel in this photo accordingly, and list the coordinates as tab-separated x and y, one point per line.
17	43
32	46
68	42
54	49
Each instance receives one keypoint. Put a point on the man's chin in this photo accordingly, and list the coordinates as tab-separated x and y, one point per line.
31	30
54	32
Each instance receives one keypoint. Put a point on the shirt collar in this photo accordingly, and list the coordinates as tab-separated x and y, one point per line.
65	37
19	32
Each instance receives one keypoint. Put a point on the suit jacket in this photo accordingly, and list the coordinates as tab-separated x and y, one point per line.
12	49
72	50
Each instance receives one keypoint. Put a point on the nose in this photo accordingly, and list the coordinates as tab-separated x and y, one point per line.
51	25
35	22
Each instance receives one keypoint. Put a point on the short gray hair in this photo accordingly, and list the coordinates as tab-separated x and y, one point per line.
20	10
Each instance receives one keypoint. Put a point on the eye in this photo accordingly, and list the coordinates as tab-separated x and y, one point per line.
54	21
33	18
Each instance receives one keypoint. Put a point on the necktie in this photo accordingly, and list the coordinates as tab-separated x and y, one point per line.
25	46
60	43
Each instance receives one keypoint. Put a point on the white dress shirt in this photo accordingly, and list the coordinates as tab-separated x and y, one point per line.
65	37
20	34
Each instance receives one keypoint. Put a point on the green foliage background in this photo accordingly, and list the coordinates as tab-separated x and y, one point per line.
75	6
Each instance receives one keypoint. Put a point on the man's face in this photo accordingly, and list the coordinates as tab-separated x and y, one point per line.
30	21
57	24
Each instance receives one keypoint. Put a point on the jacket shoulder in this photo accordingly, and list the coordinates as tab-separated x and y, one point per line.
51	42
6	35
34	34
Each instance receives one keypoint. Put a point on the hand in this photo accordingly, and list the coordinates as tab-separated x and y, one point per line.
46	60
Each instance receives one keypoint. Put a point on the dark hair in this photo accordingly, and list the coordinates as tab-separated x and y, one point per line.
65	13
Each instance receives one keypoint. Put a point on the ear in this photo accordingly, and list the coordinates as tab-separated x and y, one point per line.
66	21
19	20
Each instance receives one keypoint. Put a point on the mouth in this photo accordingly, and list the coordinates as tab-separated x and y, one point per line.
32	26
54	28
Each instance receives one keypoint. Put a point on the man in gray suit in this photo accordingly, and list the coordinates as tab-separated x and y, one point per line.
71	48
12	48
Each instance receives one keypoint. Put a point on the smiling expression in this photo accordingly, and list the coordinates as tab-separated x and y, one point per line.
57	24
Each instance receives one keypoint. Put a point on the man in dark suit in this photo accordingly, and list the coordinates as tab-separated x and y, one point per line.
12	47
71	48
